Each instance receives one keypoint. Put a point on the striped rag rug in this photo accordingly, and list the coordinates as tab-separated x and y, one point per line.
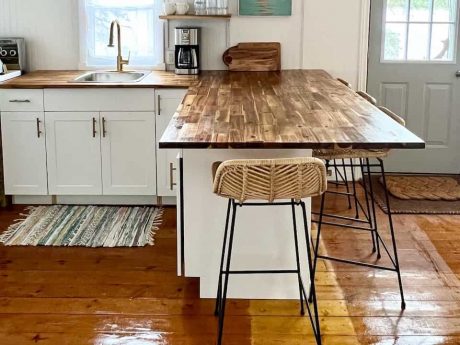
84	226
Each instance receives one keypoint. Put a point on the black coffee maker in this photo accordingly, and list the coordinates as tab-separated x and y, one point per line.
187	55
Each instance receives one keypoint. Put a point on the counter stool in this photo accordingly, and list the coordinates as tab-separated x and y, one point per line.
364	157
367	97
273	181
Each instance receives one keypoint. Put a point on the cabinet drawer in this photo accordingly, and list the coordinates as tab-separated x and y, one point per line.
100	100
21	100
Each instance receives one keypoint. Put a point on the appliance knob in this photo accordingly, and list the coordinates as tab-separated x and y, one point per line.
13	53
3	53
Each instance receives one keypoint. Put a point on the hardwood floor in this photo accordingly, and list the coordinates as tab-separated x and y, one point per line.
75	296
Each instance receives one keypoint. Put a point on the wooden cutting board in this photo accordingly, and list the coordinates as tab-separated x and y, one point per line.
254	57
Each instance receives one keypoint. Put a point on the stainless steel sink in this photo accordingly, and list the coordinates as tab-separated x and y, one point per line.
111	77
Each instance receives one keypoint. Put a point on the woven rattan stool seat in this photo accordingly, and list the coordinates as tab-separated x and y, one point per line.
349	153
270	179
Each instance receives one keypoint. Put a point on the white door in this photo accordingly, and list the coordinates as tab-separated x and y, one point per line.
413	70
167	168
74	153
24	153
128	153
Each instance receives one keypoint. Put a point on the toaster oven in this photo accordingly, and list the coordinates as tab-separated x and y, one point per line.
13	53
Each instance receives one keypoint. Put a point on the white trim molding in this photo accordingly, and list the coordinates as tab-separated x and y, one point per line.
364	44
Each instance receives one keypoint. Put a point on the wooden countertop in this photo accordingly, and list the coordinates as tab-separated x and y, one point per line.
288	109
63	79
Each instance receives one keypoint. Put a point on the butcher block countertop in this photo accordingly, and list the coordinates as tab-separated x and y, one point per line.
63	79
289	109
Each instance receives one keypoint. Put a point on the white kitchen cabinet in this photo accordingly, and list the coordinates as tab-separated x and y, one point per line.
74	153
24	153
168	100
128	153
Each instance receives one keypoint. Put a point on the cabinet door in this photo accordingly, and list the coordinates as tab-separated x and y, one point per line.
24	153
128	153
167	103
74	153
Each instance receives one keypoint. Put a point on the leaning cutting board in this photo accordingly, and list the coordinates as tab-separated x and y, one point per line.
255	56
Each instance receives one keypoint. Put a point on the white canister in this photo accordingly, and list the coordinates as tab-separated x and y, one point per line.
169	8
182	8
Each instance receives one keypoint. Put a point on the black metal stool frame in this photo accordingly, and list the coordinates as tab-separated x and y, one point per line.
366	170
227	248
357	204
369	212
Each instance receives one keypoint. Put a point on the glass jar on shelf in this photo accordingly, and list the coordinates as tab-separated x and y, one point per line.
200	7
211	7
222	7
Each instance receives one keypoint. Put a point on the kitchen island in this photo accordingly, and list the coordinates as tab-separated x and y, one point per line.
231	115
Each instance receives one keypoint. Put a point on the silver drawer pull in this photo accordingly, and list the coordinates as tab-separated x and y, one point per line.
171	176
19	100
159	105
38	128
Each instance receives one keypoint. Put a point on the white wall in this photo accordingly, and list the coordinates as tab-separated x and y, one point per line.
320	34
50	28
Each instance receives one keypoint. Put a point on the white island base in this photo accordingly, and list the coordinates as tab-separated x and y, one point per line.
263	240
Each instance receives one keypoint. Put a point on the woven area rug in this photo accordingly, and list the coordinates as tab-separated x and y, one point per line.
424	187
84	226
402	206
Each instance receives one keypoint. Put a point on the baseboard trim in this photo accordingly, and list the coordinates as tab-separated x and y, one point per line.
90	200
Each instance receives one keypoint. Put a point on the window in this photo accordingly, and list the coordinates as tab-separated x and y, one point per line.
141	32
420	30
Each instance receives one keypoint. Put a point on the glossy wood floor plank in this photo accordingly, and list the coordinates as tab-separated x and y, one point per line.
60	296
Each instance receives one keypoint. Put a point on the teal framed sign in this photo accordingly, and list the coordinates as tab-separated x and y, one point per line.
265	7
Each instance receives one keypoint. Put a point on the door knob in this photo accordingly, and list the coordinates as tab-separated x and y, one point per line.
457	74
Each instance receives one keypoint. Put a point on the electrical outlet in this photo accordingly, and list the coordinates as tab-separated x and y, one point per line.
170	57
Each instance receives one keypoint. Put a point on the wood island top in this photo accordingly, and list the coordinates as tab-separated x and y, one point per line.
289	109
63	79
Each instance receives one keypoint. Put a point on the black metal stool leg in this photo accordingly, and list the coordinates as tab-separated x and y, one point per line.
345	177
297	256
316	246
393	239
227	270
371	190
224	248
317	328
353	185
368	207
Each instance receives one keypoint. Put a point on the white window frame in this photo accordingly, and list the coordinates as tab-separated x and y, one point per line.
83	65
429	61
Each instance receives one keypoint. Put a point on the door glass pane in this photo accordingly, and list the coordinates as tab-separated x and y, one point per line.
445	11
420	10
419	36
395	41
397	10
443	42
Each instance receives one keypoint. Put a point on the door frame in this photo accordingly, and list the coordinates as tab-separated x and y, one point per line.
363	62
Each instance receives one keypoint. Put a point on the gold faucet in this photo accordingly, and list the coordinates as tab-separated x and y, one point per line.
120	61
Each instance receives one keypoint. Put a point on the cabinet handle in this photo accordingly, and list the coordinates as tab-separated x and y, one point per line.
94	127
159	105
171	176
19	100
104	132
39	132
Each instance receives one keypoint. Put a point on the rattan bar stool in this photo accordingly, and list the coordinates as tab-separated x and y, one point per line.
269	182
367	97
364	157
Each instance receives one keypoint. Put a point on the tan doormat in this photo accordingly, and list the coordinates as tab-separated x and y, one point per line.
424	187
414	206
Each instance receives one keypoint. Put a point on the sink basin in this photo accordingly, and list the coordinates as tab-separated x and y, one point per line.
111	77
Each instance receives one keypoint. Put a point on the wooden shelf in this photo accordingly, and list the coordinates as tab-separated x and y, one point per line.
196	17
